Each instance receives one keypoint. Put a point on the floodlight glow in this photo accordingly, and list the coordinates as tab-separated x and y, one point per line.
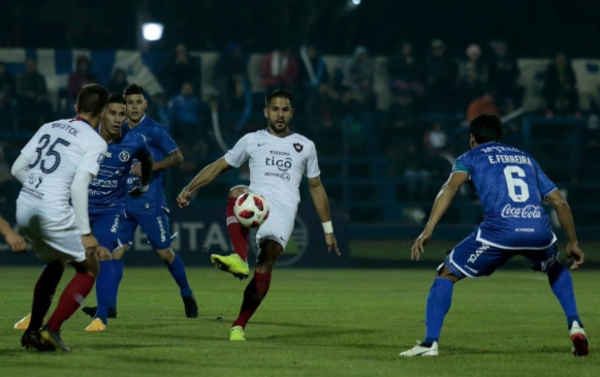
356	2
152	31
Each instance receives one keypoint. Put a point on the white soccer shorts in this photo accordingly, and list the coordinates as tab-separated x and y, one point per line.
279	224
52	236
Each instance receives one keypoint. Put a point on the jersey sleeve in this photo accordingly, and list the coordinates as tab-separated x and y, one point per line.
545	185
237	155
93	157
312	164
164	141
30	148
143	150
463	164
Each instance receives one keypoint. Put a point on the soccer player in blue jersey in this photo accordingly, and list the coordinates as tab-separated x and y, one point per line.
107	198
150	210
511	187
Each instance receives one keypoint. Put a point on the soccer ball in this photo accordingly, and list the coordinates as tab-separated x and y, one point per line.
251	209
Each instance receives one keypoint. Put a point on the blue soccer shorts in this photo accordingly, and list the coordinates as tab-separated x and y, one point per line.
471	258
106	229
156	227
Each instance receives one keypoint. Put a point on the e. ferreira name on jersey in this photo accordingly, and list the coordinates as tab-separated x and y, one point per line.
509	159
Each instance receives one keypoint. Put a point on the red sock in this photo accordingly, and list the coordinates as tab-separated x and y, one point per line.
43	293
253	295
70	300
237	232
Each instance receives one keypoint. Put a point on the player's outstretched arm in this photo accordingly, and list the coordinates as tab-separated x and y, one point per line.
319	198
13	239
204	178
440	205
563	211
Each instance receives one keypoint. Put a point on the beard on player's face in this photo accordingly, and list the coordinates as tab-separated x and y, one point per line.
278	126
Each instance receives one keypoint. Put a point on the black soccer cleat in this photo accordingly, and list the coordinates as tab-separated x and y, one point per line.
52	339
91	311
31	340
191	307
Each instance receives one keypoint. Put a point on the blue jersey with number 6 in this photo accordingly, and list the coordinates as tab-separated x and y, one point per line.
511	187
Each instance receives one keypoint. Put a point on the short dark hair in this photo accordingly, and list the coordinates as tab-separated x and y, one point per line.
133	89
486	128
92	98
116	98
278	94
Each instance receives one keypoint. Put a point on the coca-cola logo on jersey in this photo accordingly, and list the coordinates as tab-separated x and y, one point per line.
530	211
282	164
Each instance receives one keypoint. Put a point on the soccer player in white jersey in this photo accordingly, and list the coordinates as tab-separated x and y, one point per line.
55	168
278	159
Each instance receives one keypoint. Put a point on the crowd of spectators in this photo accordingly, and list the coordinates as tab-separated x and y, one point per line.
414	133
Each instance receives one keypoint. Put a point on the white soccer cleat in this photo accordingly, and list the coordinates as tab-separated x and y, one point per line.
579	340
419	350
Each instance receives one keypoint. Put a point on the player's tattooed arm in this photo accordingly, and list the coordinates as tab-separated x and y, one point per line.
173	159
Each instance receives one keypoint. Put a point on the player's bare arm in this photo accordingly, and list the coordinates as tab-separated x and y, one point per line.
319	198
441	204
204	178
14	240
173	159
563	211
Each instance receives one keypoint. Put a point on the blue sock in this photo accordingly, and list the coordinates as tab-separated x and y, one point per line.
177	270
438	304
562	286
118	276
104	287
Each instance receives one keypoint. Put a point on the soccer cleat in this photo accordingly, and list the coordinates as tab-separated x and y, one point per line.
579	340
52	339
91	311
96	326
31	340
191	307
23	324
237	333
232	264
419	350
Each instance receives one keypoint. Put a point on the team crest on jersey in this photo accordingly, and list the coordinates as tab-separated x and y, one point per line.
298	147
124	156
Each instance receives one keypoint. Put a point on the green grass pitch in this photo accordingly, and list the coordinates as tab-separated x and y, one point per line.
313	323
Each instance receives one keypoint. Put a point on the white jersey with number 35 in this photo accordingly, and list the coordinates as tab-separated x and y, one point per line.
55	153
277	164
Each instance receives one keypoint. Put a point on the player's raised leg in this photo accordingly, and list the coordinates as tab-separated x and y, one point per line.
257	288
237	263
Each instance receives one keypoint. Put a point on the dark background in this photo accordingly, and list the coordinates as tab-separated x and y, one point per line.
533	28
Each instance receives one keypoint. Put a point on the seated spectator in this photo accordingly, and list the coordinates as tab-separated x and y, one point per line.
33	107
184	111
472	77
503	76
405	71
182	68
440	71
231	76
482	105
312	75
118	82
7	88
278	70
359	78
560	88
401	123
77	79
